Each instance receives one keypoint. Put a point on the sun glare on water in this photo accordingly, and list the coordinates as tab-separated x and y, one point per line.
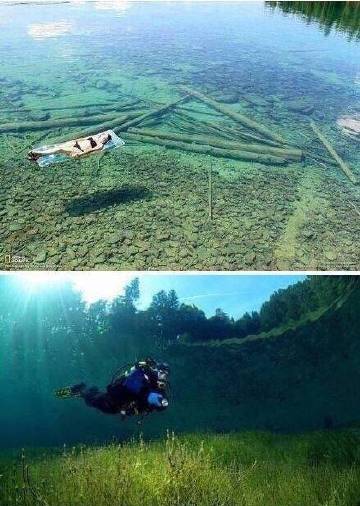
100	285
37	279
93	286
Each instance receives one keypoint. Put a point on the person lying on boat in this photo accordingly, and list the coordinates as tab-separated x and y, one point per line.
73	149
139	391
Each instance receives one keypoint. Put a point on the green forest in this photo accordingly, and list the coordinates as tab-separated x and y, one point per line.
120	328
342	16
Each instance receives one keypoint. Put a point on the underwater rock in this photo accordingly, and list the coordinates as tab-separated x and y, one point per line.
350	125
39	116
178	81
255	100
92	111
14	227
55	260
131	251
117	237
162	236
308	234
150	72
250	258
99	259
301	105
119	217
143	247
233	249
330	255
40	257
52	252
127	234
70	254
101	84
183	253
82	251
14	96
227	97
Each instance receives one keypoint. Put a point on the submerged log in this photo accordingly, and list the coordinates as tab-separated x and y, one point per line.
228	132
236	116
31	126
152	114
205	113
344	167
207	150
105	106
94	129
289	154
206	127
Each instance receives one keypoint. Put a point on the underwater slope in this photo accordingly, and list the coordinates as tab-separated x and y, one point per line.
302	377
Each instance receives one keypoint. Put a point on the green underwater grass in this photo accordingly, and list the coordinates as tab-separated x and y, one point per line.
245	469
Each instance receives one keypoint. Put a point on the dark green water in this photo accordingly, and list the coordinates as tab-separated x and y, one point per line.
147	207
293	367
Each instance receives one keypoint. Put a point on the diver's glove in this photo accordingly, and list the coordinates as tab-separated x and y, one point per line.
70	392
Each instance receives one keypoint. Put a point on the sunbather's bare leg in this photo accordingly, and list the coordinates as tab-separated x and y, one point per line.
49	151
65	147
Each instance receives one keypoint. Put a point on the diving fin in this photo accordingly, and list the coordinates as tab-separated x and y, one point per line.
69	392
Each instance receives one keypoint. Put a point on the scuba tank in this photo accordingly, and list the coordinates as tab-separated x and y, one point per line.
145	373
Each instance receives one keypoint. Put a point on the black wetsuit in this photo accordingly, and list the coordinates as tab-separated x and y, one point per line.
133	388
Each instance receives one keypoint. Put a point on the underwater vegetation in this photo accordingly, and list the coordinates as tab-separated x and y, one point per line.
343	16
239	469
243	393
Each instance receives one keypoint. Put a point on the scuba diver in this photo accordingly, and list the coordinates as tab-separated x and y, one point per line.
139	391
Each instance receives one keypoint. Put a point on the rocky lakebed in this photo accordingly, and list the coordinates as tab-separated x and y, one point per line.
149	208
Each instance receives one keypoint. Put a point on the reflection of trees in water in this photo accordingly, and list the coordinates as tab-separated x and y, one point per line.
341	16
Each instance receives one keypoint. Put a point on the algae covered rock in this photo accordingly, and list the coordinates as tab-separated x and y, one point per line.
300	105
227	97
40	257
330	255
39	116
115	238
350	125
250	258
101	84
14	227
255	100
162	235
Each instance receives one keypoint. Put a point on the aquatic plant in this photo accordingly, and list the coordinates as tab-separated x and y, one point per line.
239	469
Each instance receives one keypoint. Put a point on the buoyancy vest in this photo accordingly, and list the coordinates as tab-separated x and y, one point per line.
136	381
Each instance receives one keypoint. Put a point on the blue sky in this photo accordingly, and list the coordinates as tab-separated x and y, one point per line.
234	293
